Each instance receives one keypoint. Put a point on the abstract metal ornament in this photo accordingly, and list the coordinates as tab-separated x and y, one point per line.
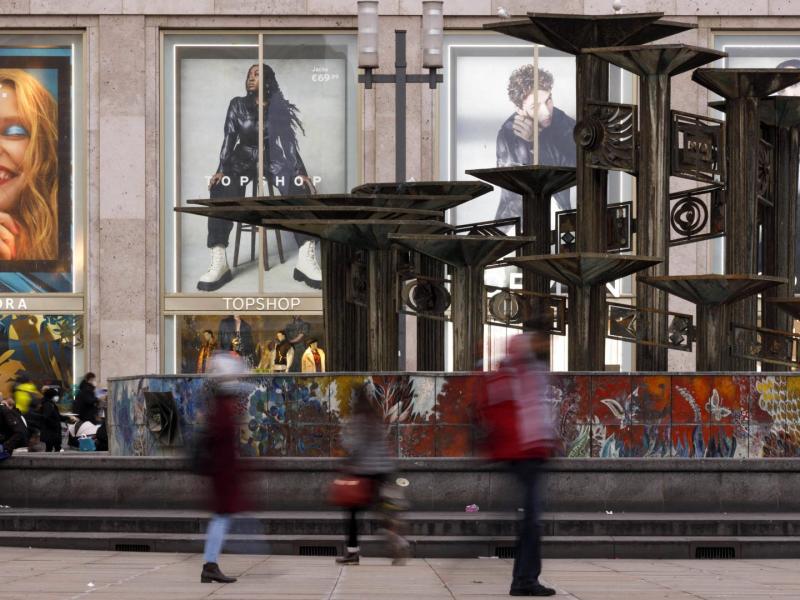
589	134
696	215
425	297
697	147
511	308
764	172
766	345
623	321
689	216
619	228
607	134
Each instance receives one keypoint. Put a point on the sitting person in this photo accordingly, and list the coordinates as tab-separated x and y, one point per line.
35	443
13	428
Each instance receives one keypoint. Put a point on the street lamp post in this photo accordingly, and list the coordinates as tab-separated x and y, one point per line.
430	333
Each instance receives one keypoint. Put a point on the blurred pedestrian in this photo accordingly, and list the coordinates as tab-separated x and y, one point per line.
50	420
86	403
13	428
221	453
521	430
368	461
25	394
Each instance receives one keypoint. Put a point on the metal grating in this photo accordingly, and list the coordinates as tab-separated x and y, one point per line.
505	552
132	547
317	551
715	552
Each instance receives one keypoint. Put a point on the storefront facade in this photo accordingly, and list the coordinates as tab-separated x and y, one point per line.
140	95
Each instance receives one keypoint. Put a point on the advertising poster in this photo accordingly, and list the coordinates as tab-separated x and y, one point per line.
35	170
306	147
268	344
40	346
764	51
491	115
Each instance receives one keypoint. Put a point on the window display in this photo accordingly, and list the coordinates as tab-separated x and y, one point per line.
253	115
44	348
268	344
38	184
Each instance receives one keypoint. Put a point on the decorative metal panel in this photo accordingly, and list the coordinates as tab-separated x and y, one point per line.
767	345
511	308
623	321
697	147
697	214
619	228
422	296
607	135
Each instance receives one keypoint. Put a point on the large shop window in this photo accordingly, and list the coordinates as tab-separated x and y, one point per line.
760	51
42	207
505	103
219	145
267	343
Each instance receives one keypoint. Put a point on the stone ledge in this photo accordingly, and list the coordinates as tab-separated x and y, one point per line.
102	461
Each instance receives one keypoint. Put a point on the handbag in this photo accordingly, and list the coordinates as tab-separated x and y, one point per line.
351	491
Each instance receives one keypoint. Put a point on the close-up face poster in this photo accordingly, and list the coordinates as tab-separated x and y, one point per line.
35	170
298	139
497	95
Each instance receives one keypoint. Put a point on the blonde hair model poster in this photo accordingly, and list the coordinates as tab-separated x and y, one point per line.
35	173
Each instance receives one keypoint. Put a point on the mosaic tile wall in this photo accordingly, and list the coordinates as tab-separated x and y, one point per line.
600	415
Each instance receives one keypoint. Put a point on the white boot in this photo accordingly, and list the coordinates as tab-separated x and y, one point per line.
218	273
307	268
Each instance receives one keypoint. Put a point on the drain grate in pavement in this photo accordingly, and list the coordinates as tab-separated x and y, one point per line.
505	551
317	550
715	552
132	547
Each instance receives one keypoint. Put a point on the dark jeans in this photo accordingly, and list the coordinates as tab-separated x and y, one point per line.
219	230
528	559
352	523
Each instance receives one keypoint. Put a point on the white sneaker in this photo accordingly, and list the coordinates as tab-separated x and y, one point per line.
307	267
218	273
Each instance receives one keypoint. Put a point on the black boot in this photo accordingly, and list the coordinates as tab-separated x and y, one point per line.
349	558
211	573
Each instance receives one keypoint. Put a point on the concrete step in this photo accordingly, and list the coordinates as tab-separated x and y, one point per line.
331	523
671	547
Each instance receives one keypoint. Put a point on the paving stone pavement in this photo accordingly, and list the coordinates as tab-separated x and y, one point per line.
30	573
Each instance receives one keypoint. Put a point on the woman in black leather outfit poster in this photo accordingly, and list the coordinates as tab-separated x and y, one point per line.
237	171
212	133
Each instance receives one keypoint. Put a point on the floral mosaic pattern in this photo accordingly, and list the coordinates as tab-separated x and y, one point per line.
603	415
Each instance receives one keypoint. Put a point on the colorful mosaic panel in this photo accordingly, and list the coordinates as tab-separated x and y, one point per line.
603	415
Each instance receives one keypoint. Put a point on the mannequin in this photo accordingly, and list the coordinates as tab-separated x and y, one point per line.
207	347
236	334
296	332
284	354
313	358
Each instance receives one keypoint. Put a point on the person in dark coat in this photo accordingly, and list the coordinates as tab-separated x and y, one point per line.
223	470
50	420
515	138
13	429
86	403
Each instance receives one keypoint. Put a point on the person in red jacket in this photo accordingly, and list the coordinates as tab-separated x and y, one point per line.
521	430
223	470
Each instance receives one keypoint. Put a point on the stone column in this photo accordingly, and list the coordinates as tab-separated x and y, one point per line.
123	228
